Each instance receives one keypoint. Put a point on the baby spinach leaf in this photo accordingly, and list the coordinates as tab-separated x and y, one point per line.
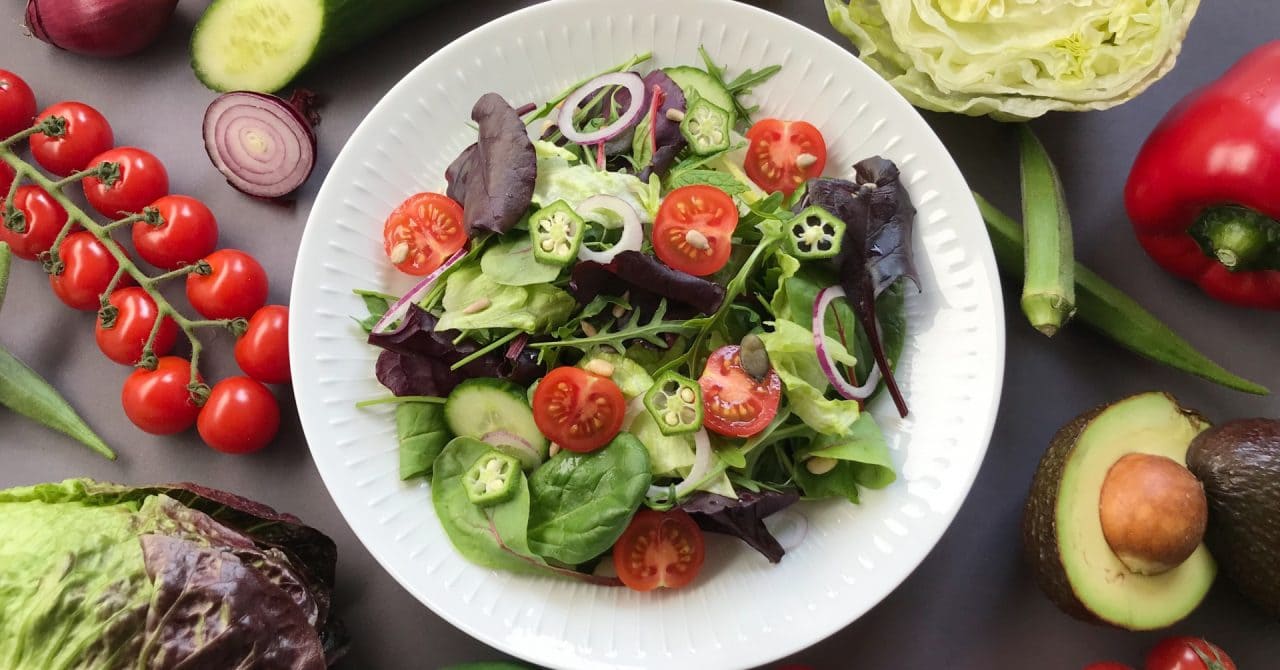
721	180
423	433
511	263
581	503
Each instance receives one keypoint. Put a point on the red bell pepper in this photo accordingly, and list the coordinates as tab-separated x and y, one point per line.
1204	193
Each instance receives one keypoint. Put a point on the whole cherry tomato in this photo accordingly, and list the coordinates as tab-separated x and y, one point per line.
17	105
157	401
236	287
86	135
188	233
1188	653
136	314
240	417
87	271
263	350
141	181
42	220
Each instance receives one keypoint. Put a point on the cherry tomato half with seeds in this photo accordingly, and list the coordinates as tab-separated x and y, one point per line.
734	404
141	181
784	154
157	401
577	410
87	272
659	550
1188	653
17	105
263	351
188	233
87	134
136	314
423	232
42	220
693	231
240	417
236	287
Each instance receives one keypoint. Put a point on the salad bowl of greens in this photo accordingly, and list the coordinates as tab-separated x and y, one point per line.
663	336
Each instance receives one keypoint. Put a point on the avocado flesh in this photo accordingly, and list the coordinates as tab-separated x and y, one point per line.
1063	530
1239	465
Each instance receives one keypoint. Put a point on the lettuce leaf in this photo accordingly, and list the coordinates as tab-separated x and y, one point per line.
533	309
792	353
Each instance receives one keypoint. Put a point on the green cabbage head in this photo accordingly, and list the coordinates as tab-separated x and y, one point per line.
1016	59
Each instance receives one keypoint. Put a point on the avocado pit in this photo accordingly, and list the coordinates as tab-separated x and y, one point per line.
1153	512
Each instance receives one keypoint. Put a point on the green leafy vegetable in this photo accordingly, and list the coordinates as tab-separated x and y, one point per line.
474	301
669	455
630	377
725	182
864	446
512	263
795	359
635	328
423	433
741	85
581	503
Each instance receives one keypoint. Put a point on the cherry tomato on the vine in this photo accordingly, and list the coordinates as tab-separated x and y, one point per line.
6	180
17	104
577	410
189	232
136	314
42	220
423	232
1188	653
693	231
87	134
236	287
157	401
141	181
87	271
240	417
734	404
263	350
659	550
784	154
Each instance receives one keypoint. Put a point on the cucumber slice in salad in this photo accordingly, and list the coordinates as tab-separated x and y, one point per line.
497	412
696	83
262	45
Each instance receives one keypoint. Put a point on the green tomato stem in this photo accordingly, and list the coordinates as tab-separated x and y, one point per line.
1048	293
5	258
96	171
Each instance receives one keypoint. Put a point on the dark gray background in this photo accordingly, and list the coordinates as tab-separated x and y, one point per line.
971	604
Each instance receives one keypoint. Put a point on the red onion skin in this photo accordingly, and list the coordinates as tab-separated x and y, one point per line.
100	28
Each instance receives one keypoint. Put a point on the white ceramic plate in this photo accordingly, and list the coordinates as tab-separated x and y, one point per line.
741	611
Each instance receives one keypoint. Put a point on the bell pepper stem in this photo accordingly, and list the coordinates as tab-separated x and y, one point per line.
1048	293
1238	237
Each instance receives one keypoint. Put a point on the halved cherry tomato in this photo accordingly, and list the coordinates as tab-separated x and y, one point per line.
157	401
42	218
774	159
189	232
263	350
236	288
87	271
136	314
693	232
1188	653
86	135
578	410
240	417
142	180
17	105
423	233
734	404
659	550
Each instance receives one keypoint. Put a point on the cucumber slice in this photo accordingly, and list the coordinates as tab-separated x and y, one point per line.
693	81
262	45
498	412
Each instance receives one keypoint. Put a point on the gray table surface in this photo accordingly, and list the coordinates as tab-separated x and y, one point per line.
971	604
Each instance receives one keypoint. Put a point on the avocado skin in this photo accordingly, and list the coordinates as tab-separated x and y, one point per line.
1040	524
1239	464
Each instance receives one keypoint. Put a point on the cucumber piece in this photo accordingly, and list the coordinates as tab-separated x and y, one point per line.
497	411
696	83
262	45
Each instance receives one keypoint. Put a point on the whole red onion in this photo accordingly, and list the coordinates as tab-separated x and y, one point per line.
103	28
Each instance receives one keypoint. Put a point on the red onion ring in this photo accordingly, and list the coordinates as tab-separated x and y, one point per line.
847	390
415	294
263	145
628	80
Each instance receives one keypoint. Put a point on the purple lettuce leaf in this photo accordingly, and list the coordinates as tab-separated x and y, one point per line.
494	178
647	281
743	518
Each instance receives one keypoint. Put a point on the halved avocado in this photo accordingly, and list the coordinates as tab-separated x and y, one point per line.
1062	528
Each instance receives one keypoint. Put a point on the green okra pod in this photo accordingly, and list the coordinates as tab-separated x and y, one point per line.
1048	292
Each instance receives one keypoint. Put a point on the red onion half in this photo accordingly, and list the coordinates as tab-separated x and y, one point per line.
103	28
263	145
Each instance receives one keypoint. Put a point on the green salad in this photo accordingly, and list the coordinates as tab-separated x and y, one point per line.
643	313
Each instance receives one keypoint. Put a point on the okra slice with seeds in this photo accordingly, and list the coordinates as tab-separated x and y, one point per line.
557	233
675	402
815	233
492	479
707	127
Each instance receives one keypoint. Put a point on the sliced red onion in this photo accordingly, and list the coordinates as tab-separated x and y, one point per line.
849	391
415	294
628	80
263	145
703	459
632	229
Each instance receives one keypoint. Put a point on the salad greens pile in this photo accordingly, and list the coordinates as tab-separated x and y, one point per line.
641	308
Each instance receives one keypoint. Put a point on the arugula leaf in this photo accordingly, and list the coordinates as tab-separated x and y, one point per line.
377	304
741	85
634	328
720	180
